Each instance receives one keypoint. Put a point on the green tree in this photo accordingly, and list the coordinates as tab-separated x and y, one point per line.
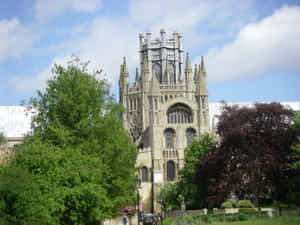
169	196
296	146
196	151
1	138
79	156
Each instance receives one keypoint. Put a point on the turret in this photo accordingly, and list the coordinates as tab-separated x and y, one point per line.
137	77
154	89
203	83
188	73
124	80
145	73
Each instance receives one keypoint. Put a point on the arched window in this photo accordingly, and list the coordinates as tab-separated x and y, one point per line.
179	113
169	135
144	174
157	70
172	73
170	170
190	135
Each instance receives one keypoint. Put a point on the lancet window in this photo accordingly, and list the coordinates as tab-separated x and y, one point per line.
190	135
170	170
144	174
170	136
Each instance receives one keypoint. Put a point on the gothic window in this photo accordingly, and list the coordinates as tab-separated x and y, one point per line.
172	73
157	70
190	135
170	170
144	174
179	113
169	135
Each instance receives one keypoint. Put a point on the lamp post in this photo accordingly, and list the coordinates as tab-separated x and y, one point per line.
137	184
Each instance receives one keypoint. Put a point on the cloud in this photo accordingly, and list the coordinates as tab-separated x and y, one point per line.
15	38
45	9
106	39
24	85
269	45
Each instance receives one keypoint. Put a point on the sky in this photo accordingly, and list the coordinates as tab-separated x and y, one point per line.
251	48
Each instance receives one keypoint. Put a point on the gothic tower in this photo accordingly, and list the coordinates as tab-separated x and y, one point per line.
165	108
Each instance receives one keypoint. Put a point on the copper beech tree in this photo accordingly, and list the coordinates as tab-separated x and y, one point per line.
253	159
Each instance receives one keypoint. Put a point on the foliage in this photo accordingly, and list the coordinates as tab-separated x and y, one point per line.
2	139
296	146
170	196
227	204
244	204
196	151
79	157
254	156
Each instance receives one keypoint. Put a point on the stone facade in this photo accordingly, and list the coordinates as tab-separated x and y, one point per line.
165	108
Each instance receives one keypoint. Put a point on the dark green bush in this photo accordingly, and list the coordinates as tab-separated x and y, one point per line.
242	217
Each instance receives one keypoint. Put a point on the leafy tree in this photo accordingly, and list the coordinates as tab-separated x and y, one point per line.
196	151
296	146
170	196
79	157
1	138
254	157
293	194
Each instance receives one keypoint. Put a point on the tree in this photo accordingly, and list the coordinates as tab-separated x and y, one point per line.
196	151
254	157
79	156
296	145
1	138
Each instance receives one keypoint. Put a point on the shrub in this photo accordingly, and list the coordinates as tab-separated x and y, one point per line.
245	204
227	204
248	210
242	217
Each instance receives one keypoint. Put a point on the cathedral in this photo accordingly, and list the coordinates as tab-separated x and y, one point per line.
165	108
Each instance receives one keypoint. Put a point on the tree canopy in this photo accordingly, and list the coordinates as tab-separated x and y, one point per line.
254	156
79	159
196	151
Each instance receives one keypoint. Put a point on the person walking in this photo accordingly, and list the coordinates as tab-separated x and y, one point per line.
124	220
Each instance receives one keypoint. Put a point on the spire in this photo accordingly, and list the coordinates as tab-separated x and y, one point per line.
121	70
145	64
125	70
167	75
188	67
202	64
154	85
195	72
137	76
199	73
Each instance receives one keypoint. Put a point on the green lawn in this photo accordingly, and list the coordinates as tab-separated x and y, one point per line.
274	221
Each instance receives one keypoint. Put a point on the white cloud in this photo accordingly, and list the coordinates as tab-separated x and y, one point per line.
270	45
46	9
24	85
108	38
15	38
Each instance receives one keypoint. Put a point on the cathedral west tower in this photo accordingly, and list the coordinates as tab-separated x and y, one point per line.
165	108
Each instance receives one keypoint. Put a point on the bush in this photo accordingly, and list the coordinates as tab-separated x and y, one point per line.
248	210
227	204
242	217
245	204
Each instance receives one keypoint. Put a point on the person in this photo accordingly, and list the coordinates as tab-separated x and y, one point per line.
124	220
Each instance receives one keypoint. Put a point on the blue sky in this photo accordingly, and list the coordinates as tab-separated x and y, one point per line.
251	48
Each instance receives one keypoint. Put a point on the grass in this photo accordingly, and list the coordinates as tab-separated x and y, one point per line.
273	221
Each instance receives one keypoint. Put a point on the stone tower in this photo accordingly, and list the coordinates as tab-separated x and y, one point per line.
165	108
